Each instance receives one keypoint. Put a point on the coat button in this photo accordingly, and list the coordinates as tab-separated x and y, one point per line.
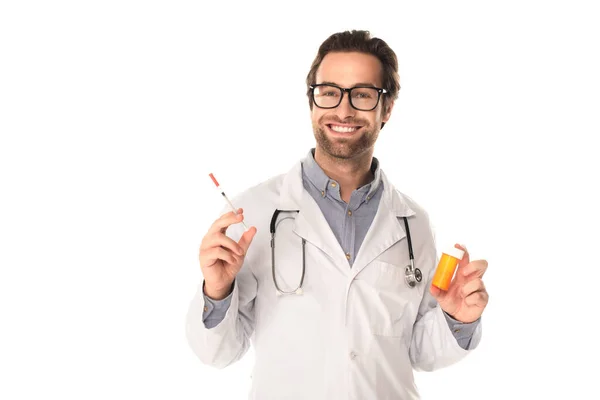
352	355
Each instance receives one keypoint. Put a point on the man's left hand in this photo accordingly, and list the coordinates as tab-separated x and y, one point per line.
466	297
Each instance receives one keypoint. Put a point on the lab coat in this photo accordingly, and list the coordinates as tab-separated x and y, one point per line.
355	332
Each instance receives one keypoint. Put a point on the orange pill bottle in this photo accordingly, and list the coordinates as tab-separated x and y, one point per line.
446	267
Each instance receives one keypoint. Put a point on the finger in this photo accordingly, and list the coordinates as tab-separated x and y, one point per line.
466	258
239	211
219	253
472	286
477	267
219	239
227	219
479	299
246	238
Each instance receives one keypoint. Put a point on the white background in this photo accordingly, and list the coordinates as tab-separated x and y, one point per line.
113	113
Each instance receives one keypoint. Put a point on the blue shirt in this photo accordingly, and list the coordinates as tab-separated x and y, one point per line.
349	223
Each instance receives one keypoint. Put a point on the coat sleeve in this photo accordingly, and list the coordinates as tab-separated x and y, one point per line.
433	344
229	340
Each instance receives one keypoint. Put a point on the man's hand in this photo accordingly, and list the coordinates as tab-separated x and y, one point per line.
466	297
221	258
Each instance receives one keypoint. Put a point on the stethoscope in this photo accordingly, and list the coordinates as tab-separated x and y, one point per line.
412	275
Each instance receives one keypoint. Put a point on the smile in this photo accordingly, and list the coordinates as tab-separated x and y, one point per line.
343	128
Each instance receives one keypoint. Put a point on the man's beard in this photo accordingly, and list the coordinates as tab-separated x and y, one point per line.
345	148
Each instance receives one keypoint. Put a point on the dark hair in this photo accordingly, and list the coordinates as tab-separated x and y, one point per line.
360	41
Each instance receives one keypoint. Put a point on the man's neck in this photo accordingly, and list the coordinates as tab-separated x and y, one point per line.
349	173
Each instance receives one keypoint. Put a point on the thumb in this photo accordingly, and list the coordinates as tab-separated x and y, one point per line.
246	238
466	257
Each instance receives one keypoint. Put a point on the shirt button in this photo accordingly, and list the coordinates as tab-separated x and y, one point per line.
322	193
456	330
205	308
349	212
348	256
333	184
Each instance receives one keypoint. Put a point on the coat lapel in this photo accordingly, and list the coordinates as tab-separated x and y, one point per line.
386	229
310	223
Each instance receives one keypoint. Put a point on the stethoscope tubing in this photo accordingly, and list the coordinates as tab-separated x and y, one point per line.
412	274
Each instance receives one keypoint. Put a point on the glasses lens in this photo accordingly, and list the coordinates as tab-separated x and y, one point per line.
327	96
364	98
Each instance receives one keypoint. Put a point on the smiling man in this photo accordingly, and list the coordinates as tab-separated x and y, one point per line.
344	118
319	284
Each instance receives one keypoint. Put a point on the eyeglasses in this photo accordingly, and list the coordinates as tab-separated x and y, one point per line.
363	98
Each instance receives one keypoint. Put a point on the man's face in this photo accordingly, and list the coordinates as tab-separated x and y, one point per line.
345	132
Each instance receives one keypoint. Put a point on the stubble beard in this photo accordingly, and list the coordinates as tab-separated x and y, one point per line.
345	148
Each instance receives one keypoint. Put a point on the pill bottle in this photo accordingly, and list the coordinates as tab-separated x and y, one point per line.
446	267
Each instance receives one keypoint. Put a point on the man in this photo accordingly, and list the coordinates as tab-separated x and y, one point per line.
355	329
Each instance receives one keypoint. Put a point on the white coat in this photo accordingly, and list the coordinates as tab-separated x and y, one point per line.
356	332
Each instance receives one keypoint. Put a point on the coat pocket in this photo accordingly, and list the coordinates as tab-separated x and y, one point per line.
392	304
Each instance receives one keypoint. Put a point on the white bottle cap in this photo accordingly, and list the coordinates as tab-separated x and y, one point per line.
454	252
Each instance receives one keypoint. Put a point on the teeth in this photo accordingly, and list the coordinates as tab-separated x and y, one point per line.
342	129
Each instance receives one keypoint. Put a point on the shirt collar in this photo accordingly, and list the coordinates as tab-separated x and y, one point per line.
320	180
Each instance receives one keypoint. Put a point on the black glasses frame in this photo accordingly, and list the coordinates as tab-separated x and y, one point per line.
380	91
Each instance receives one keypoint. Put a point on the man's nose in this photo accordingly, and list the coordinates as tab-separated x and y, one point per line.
344	109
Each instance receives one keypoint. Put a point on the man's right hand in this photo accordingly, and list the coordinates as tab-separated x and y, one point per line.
221	258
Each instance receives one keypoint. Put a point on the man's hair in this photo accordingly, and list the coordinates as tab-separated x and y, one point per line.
360	41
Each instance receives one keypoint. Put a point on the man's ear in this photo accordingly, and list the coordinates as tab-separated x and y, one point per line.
387	114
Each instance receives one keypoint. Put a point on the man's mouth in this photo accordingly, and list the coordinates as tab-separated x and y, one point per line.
343	128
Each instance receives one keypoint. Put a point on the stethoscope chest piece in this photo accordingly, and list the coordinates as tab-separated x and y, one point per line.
412	275
418	275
